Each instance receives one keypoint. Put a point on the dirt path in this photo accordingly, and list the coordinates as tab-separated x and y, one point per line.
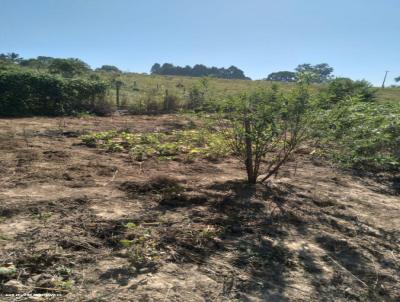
95	226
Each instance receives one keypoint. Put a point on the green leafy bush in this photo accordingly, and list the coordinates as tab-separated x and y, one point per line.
171	103
265	128
341	88
361	135
196	98
24	93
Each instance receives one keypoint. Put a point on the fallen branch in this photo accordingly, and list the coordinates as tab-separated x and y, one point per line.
50	289
112	179
350	273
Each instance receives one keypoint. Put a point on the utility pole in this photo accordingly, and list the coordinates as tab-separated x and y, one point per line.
384	79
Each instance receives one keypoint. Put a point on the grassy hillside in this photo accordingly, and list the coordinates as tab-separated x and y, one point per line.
139	90
140	87
143	93
389	94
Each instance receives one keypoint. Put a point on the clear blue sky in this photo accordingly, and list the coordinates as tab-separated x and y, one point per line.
359	38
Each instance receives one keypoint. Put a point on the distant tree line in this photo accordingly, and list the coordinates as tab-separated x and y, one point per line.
67	67
319	73
11	57
199	70
71	67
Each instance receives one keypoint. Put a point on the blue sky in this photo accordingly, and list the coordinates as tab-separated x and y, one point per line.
359	38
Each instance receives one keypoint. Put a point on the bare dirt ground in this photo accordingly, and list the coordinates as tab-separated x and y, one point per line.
94	226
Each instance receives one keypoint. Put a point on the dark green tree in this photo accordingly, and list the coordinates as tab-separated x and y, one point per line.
319	73
155	69
68	67
341	88
167	69
282	76
199	70
108	68
10	57
41	62
32	63
235	73
45	61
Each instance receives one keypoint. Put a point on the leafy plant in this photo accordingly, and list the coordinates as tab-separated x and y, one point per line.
171	103
126	243
65	271
196	98
140	245
25	93
130	225
141	146
141	152
64	284
340	89
265	127
361	135
68	67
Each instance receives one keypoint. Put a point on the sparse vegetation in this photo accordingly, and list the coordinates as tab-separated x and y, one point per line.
155	206
178	143
122	180
141	246
187	218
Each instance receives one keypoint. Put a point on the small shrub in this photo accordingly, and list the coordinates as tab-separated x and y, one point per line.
168	149
141	246
196	98
171	103
103	108
360	135
341	89
265	127
151	104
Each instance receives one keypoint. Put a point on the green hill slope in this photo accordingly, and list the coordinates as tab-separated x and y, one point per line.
138	88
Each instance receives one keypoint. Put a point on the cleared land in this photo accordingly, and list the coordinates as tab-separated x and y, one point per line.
96	226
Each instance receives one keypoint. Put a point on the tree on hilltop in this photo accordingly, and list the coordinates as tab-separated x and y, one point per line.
282	76
109	68
319	73
69	67
198	70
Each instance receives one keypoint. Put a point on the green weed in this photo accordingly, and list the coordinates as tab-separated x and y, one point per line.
163	146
